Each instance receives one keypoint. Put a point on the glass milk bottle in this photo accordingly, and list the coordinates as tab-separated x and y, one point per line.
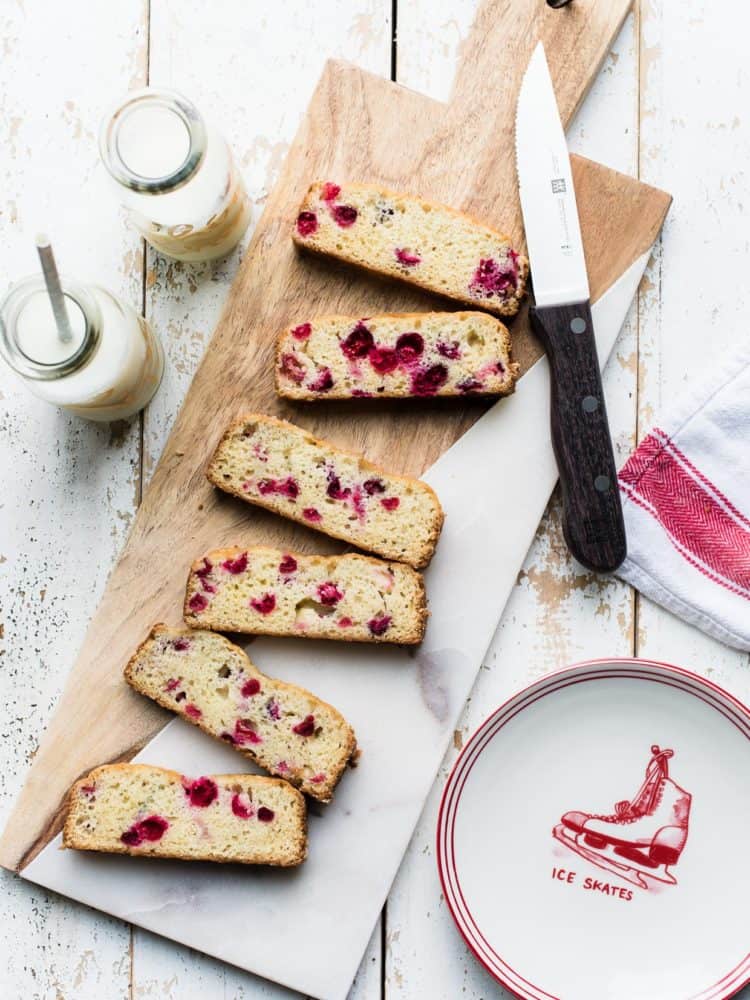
176	176
108	369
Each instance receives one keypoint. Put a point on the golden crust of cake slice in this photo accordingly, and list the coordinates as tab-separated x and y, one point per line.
282	467
212	683
395	356
421	242
150	811
265	591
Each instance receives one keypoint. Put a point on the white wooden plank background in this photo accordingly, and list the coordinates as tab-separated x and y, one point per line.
669	105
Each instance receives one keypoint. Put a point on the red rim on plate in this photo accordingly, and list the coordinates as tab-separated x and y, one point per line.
597	841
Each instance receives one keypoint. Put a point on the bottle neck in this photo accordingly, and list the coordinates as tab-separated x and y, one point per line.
29	340
154	141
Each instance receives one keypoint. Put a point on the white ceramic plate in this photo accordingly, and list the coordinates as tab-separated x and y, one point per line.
592	838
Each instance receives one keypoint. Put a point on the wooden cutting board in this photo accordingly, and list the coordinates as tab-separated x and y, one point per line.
357	127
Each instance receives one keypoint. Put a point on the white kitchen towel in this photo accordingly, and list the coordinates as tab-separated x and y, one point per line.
686	500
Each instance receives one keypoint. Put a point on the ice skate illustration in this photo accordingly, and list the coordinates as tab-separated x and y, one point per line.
643	838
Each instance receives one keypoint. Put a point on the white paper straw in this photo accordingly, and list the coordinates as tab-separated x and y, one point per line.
54	288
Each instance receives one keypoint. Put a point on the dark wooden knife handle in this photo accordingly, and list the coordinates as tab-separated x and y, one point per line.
592	514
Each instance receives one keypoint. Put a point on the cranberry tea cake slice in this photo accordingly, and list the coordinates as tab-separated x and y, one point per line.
152	812
266	591
396	355
212	683
418	241
282	467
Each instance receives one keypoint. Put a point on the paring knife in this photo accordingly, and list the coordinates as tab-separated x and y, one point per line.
592	515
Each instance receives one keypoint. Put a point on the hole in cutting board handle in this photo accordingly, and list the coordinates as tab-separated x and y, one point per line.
556	4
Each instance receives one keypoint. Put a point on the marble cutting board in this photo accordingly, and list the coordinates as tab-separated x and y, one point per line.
285	925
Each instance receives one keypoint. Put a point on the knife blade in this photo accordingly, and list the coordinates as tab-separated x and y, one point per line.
561	316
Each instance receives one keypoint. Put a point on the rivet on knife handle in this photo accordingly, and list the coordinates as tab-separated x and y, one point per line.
592	514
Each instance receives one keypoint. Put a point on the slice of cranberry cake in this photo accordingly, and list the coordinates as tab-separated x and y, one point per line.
213	684
418	241
152	812
395	355
266	591
282	467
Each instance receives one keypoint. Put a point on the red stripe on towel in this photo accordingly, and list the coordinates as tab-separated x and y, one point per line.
695	515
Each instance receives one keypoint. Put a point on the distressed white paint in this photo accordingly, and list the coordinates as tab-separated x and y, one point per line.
68	503
69	488
695	137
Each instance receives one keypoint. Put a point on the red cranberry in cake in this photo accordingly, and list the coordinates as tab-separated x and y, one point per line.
287	565
318	779
345	215
205	570
322	382
373	486
451	351
242	806
181	644
427	381
197	603
312	515
383	360
263	605
250	687
380	624
245	732
131	837
357	503
193	711
330	192
302	332
307	223
490	278
288	487
274	710
358	343
153	828
407	258
469	385
334	488
291	366
201	792
329	593
306	727
236	566
266	815
409	347
345	622
390	503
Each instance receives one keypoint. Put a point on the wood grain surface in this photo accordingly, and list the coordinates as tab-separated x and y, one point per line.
357	127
